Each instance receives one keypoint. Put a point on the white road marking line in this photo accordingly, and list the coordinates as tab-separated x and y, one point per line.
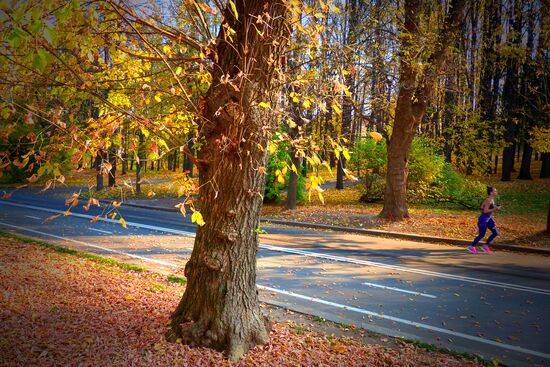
99	230
30	216
409	269
400	290
78	215
92	245
317	254
408	322
312	299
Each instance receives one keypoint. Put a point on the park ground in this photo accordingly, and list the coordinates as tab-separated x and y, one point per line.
63	308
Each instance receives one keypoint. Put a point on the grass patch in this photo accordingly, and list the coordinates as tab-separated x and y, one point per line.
319	319
176	279
435	349
64	250
156	287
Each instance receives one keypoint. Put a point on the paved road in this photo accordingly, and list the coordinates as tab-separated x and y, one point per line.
494	306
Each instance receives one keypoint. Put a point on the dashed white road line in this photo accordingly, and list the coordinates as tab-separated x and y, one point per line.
99	230
316	254
400	290
407	322
30	216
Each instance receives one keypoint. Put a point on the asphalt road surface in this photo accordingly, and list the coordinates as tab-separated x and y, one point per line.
494	305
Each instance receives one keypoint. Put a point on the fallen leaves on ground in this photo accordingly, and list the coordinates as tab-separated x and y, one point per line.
61	310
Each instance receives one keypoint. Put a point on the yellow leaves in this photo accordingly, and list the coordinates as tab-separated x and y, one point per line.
336	108
179	70
272	147
307	103
116	204
129	298
197	218
281	175
314	185
376	136
151	194
265	105
123	222
113	215
234	9
157	98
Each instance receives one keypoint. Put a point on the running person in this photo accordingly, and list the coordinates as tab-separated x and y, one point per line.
486	221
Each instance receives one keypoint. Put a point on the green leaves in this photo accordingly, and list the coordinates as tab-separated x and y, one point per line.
40	60
16	38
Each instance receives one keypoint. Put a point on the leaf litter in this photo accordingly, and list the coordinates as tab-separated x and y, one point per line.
61	310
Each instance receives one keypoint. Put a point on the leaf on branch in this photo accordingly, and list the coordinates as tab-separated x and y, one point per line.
116	204
72	199
197	218
181	207
265	105
376	136
123	222
94	219
234	9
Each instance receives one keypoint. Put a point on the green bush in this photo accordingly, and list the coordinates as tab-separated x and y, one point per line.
431	179
278	161
368	155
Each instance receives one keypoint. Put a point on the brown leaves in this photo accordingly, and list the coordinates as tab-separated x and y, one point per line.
58	305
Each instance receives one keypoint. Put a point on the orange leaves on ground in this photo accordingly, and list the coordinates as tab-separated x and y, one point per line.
58	309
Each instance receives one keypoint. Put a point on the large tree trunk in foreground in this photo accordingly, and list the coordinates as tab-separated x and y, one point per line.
415	90
220	308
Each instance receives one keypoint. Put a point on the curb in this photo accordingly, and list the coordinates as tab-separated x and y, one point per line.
373	232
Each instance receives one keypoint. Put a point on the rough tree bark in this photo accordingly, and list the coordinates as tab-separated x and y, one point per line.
220	307
415	89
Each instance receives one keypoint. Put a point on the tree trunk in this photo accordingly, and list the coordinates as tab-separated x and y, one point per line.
449	113
525	169
112	172
98	164
545	165
220	307
415	89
